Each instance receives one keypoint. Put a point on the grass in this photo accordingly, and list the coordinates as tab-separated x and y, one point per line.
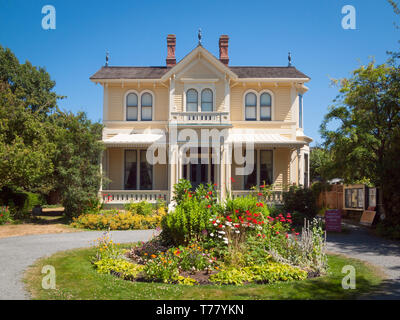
77	279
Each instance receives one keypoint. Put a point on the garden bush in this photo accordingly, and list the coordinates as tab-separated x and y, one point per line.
20	203
5	216
300	200
118	220
125	269
142	208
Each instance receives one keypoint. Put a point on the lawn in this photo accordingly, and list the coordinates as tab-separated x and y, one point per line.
77	279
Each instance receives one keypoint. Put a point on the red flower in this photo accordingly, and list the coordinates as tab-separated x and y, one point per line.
233	180
288	215
277	232
287	236
220	226
289	220
209	206
263	186
237	211
260	194
296	233
214	222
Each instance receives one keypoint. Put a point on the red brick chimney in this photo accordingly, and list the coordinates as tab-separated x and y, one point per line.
171	43
223	49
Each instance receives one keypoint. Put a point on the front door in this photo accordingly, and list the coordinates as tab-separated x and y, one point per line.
198	174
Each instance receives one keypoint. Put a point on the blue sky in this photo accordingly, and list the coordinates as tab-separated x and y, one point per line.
261	33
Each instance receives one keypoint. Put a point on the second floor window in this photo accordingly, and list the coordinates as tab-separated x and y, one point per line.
207	100
147	106
265	106
251	106
139	106
131	107
191	100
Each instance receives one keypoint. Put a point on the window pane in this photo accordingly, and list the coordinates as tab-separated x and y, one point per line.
147	100
131	100
190	106
250	113
251	99
146	113
265	100
265	113
251	179
131	113
266	167
206	100
130	170
191	95
146	172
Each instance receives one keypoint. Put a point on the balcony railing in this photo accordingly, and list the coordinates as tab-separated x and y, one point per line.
275	197
127	196
215	118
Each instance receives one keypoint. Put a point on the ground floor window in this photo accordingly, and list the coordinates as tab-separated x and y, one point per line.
138	172
196	171
262	169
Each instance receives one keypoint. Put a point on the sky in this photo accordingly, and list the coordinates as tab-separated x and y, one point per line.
261	34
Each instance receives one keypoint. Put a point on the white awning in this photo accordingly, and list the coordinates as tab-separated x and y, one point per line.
132	140
263	138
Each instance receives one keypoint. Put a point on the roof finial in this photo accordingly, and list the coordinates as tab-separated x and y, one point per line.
107	57
199	36
289	59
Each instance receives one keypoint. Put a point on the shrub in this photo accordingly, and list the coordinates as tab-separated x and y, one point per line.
142	208
300	200
388	230
106	248
180	190
191	217
124	268
117	220
5	216
266	273
20	202
161	268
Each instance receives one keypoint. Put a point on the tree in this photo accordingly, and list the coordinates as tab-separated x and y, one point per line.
43	149
320	164
368	112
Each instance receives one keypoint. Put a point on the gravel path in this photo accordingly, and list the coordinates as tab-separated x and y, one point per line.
360	244
18	253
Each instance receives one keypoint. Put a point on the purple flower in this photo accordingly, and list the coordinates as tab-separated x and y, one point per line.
204	232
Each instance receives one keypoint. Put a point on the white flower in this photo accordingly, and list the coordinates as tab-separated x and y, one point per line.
212	234
221	232
237	231
217	220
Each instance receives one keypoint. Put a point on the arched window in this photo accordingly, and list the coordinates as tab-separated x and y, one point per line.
131	107
265	106
251	106
191	100
146	105
207	100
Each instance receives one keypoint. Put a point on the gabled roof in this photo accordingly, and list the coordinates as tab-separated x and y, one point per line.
163	72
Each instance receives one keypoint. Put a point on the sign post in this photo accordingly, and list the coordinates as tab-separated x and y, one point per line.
333	220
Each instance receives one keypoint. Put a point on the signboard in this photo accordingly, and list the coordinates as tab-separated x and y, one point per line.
368	217
333	220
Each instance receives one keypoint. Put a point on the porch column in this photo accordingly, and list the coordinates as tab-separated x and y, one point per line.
173	169
101	156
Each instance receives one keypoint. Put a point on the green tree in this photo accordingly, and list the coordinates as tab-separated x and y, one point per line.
368	112
320	164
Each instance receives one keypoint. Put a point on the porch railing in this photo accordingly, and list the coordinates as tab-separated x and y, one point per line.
200	117
127	196
275	197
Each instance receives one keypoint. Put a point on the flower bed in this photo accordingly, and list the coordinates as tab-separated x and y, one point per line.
121	220
204	241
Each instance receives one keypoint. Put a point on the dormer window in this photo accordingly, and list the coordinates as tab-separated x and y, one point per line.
251	106
131	107
207	100
191	100
265	106
147	106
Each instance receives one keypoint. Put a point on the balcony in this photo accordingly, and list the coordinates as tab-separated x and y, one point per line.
200	118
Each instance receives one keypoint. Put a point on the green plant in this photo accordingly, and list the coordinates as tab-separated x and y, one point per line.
124	268
5	216
180	190
142	208
106	248
193	257
301	200
161	268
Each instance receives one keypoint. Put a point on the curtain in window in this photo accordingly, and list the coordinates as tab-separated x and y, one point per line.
147	105
131	107
266	165
207	100
191	100
265	106
130	170
250	106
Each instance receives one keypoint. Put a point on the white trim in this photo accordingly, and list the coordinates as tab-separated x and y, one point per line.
153	104
138	103
271	93
244	104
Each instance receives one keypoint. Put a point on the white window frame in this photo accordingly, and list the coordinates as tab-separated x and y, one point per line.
199	88
139	95
258	104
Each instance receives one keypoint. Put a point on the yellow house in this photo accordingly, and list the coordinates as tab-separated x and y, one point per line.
203	120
